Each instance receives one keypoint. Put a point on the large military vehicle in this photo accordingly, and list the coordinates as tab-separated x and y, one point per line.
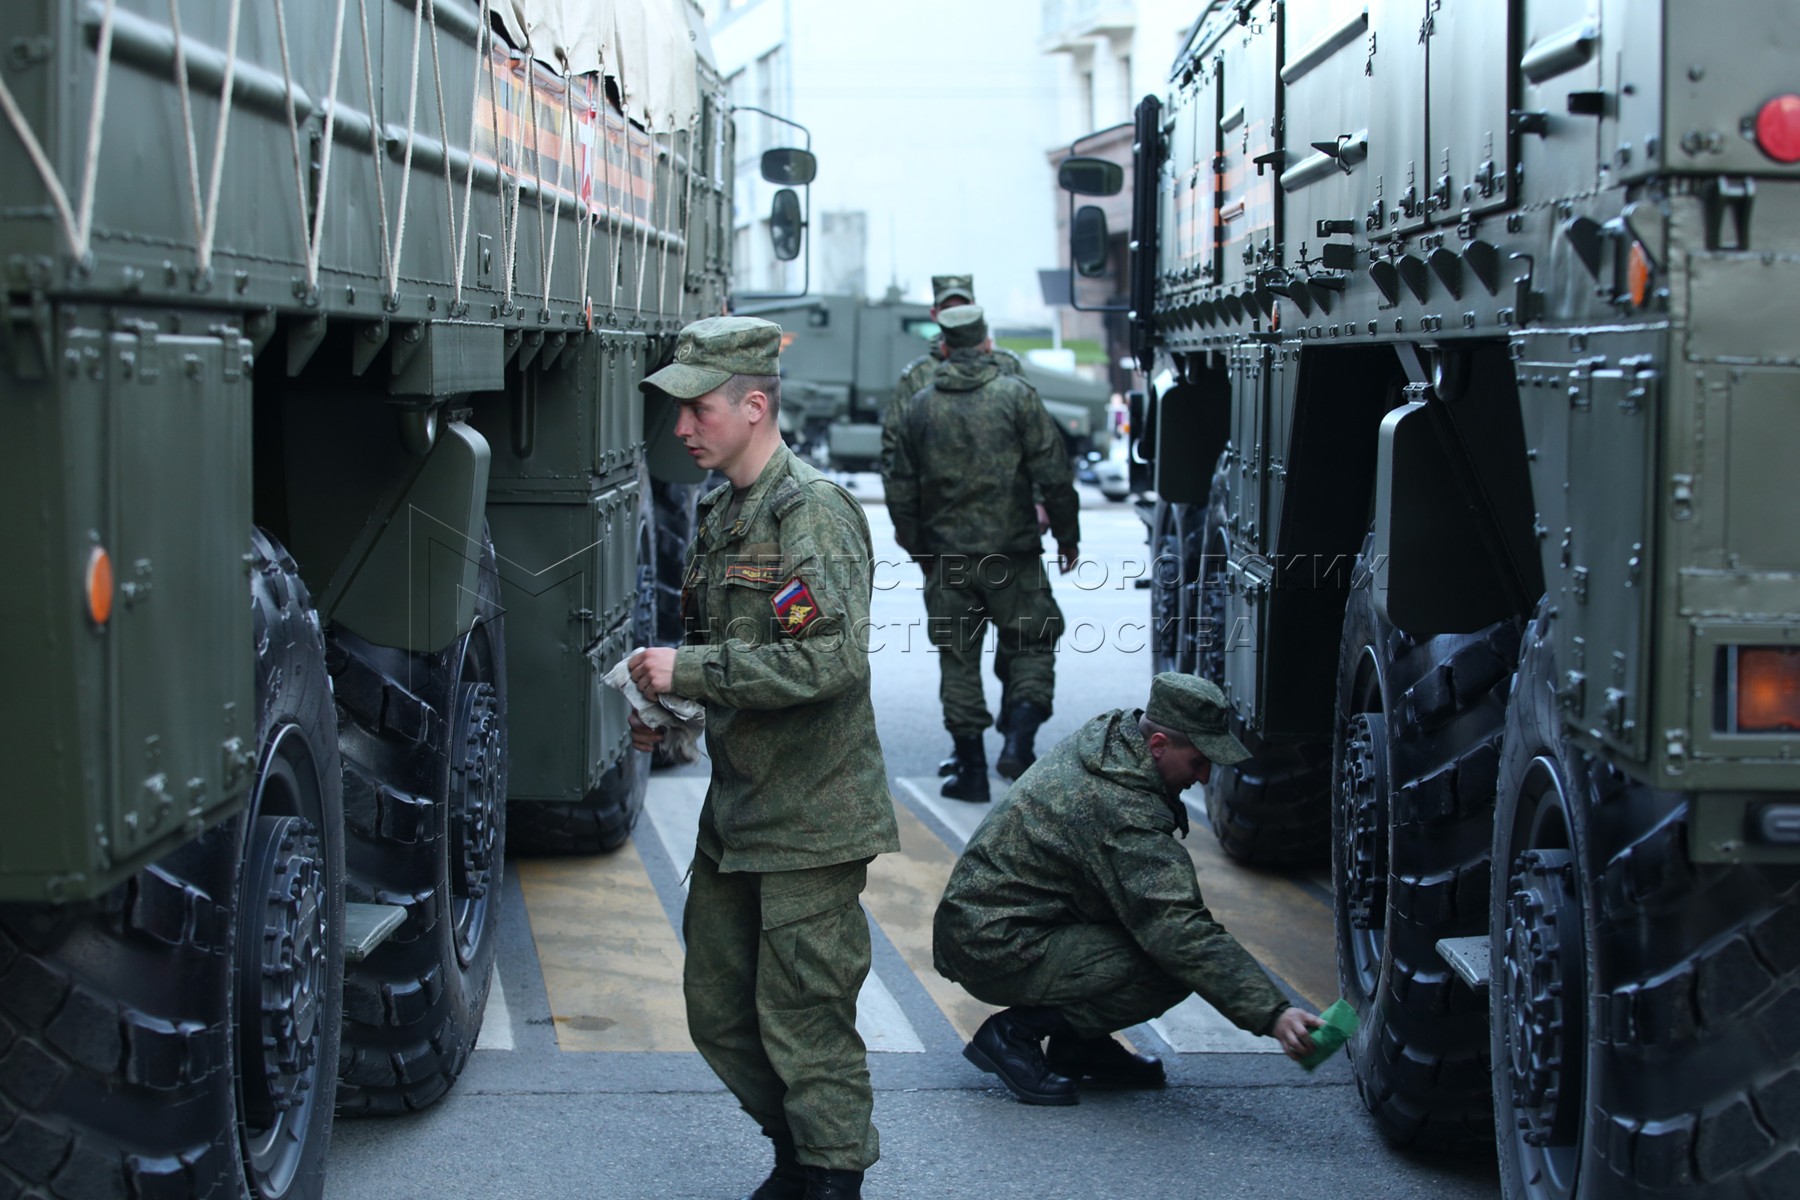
326	508
842	357
1474	495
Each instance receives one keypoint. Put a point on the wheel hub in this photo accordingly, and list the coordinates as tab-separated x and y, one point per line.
1363	792
1544	978
282	972
475	790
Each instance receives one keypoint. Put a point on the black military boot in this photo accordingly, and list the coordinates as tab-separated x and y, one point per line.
822	1183
1007	1045
788	1180
971	779
1022	723
949	766
1102	1061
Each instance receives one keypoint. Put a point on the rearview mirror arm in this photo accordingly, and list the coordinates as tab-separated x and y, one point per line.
805	217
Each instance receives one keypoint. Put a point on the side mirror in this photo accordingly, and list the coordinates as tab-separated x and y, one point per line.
1087	241
786	224
789	167
1090	177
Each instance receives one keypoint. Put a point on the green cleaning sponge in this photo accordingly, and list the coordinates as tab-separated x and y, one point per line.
1340	1025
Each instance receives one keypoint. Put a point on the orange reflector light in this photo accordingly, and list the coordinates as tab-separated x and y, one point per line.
1637	275
1768	689
99	586
1778	128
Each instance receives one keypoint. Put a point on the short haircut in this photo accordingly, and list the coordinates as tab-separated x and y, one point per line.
1181	740
739	386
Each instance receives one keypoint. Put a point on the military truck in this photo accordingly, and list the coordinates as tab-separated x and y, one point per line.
1473	494
842	357
327	506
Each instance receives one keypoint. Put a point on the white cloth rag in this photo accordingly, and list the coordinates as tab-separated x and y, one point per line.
680	719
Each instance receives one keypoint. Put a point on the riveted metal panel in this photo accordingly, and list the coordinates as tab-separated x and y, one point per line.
1470	52
1329	64
1560	52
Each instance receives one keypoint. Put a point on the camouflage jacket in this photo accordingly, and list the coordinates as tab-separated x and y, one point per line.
1085	837
920	372
777	613
963	459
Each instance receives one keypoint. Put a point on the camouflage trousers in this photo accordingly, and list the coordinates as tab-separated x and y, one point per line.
966	592
1096	974
774	964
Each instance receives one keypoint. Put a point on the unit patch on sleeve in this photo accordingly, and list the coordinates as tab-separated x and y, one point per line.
794	605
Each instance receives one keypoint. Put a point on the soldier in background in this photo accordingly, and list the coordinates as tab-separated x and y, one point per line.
967	455
776	603
1074	905
947	292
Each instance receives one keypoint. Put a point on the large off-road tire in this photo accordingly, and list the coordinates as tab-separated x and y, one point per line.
178	1037
1172	574
1644	1005
1414	760
1274	807
672	522
424	745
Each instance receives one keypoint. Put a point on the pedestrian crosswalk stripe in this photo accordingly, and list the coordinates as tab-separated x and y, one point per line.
673	807
1196	1027
903	893
959	816
611	963
496	1023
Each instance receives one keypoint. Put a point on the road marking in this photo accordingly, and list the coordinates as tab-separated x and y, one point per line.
1279	921
673	806
1196	1027
612	966
961	816
496	1024
903	894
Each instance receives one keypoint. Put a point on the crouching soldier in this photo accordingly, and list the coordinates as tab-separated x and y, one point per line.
1074	906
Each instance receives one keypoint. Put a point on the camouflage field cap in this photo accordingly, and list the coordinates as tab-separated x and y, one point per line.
709	352
1196	708
964	326
952	287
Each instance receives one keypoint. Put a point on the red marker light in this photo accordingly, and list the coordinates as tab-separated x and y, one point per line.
1778	128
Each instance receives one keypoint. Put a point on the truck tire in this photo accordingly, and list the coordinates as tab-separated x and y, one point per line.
601	820
1413	766
1173	572
1273	808
136	1029
424	745
1643	1003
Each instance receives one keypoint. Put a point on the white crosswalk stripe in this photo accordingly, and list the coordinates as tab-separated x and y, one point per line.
673	807
496	1025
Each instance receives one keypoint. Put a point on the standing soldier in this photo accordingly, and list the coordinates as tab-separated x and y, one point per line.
1074	904
968	454
776	604
947	292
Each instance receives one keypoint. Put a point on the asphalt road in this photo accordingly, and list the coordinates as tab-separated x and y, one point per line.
585	1085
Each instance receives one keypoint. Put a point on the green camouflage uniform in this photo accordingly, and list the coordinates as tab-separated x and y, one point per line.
962	461
776	602
922	371
1073	894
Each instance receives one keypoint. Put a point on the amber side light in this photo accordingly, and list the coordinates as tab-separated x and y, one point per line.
1768	689
99	586
1637	275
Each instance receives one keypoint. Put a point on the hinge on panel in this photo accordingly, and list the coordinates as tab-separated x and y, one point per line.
25	334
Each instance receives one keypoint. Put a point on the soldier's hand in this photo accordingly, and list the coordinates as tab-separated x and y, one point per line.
642	736
1066	555
653	670
1291	1031
1043	515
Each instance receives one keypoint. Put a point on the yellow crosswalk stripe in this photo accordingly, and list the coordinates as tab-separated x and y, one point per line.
1277	920
902	895
611	962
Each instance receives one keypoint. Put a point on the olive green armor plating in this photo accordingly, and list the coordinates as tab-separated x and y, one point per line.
1472	494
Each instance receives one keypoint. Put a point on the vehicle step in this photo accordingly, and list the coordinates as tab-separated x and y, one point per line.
366	926
1468	957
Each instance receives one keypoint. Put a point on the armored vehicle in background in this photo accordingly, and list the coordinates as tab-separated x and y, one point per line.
841	359
1475	495
320	331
